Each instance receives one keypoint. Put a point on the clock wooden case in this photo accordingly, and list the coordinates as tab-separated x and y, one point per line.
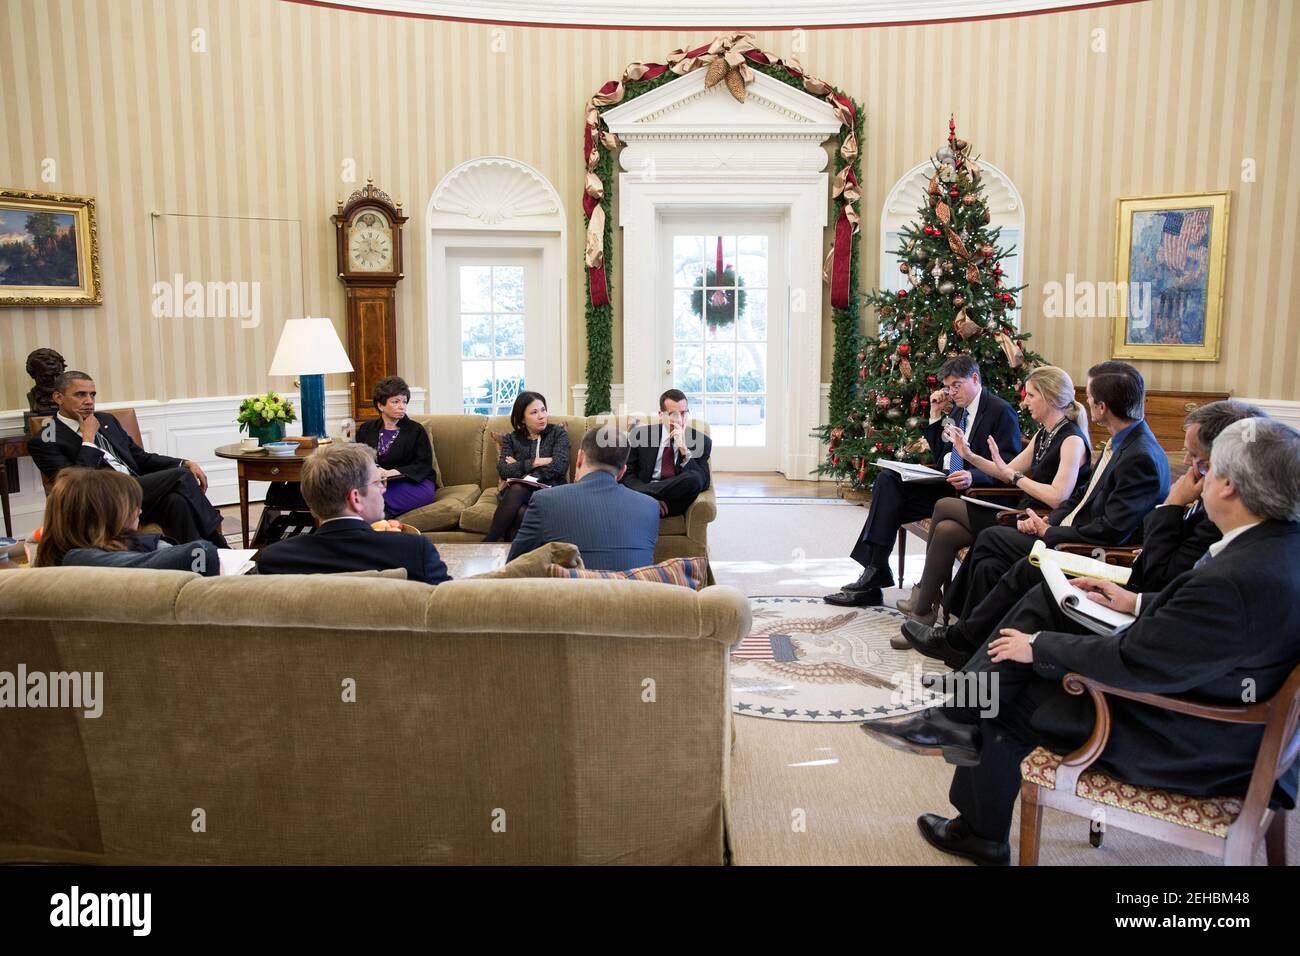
369	231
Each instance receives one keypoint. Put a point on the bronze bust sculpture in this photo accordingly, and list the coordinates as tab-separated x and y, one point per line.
44	366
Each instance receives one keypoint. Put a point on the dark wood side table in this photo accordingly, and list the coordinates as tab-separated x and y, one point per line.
261	465
15	446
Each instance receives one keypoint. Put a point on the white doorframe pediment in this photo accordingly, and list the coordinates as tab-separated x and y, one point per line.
694	149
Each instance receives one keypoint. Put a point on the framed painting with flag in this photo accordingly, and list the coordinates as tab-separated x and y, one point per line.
1170	258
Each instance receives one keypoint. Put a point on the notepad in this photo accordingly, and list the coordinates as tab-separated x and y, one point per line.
910	471
1078	565
236	560
1079	607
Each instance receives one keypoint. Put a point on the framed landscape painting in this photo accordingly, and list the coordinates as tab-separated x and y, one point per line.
1170	256
49	250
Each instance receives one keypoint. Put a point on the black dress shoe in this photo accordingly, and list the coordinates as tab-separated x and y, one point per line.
954	836
933	643
872	578
870	598
929	732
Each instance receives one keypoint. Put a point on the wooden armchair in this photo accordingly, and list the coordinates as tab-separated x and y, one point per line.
1118	554
1227	827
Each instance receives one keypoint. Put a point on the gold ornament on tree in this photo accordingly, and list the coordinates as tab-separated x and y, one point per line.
964	326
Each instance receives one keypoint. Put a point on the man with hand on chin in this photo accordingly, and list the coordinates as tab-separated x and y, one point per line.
174	489
669	461
1228	626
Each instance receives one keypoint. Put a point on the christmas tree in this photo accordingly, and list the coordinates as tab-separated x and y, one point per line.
954	303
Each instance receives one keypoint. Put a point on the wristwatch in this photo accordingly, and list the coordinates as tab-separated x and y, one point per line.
1016	476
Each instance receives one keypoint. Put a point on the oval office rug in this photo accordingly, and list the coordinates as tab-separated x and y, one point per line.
807	660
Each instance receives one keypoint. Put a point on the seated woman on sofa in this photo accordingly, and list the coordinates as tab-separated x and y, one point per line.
537	452
91	518
404	450
1046	471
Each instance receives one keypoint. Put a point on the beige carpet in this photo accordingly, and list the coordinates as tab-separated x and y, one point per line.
824	794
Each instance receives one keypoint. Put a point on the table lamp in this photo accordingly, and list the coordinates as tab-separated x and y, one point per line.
310	349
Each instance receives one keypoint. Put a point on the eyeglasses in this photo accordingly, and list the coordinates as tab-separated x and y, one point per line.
381	482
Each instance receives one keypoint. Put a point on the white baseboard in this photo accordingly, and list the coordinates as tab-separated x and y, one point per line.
183	428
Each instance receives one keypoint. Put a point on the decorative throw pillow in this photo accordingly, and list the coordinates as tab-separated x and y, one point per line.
688	572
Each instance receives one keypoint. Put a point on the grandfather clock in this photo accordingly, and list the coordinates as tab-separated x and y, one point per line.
369	230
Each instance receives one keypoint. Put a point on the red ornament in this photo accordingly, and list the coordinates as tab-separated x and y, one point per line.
902	293
904	349
931	380
953	193
835	460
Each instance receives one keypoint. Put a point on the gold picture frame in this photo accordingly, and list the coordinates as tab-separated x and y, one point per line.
1170	259
49	250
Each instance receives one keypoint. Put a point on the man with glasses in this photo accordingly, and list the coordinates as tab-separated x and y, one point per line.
345	491
961	403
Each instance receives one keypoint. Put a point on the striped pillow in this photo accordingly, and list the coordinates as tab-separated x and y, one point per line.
688	572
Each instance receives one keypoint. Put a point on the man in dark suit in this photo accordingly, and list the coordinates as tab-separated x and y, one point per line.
79	437
614	528
1129	479
669	461
1225	632
980	415
342	486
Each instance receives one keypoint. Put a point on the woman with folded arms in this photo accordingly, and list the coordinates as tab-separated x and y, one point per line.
92	517
536	451
404	452
1046	471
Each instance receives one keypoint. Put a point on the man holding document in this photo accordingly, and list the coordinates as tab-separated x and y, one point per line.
908	493
1227	631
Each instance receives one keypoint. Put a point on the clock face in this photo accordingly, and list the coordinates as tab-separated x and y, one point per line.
370	243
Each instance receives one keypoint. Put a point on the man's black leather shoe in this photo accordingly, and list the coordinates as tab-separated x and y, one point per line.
932	641
870	598
872	578
929	732
954	836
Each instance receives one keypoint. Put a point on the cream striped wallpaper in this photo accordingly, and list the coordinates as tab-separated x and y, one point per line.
240	146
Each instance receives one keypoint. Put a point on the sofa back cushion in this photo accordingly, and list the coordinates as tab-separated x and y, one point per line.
457	447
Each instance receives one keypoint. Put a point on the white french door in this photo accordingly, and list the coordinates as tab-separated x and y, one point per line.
721	335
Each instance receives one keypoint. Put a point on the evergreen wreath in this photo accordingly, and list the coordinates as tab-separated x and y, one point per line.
734	306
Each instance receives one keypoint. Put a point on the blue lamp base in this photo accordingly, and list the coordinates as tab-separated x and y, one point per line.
311	392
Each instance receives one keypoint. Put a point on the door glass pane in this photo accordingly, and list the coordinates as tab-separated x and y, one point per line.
720	369
507	288
752	326
475	288
688	367
751	421
687	326
476	336
751	368
510	336
476	380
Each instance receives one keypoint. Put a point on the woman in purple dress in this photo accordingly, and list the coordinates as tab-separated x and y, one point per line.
405	454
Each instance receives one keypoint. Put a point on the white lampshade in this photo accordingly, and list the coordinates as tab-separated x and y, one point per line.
309	347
